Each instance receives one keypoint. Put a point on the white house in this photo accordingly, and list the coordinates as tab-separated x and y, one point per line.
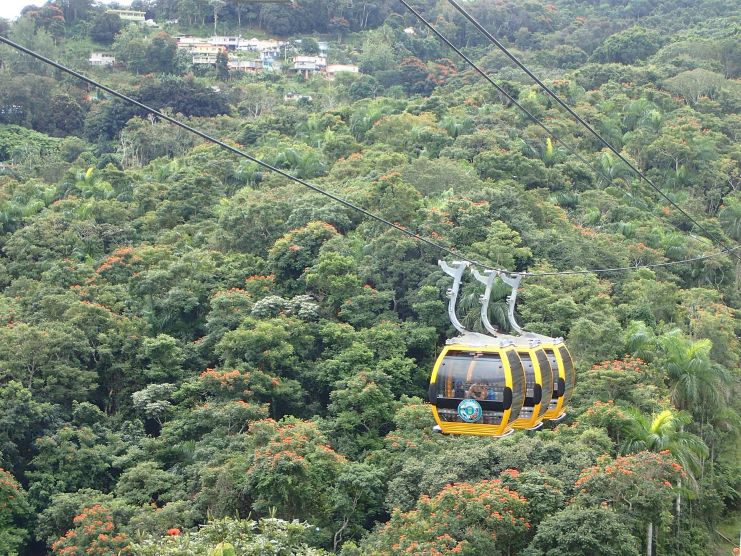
188	42
295	97
246	66
204	53
227	42
205	58
333	69
129	15
261	46
309	64
101	59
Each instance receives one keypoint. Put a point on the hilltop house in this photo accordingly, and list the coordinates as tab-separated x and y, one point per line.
129	15
333	69
101	59
295	97
246	66
230	43
309	64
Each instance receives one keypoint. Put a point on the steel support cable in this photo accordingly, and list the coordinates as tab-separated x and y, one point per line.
584	123
509	97
316	189
238	152
473	65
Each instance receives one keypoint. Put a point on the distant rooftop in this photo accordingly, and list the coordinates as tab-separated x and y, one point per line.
128	15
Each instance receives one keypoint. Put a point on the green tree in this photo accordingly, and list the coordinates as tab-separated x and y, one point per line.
697	383
578	531
629	46
220	537
14	513
361	410
105	27
50	361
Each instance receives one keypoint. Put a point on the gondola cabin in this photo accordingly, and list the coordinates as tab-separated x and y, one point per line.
477	386
538	387
564	379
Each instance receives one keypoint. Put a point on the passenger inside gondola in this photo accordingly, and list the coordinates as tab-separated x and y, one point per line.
471	375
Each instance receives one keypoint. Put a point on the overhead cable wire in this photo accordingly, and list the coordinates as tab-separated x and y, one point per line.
501	90
536	120
321	191
237	151
584	123
629	268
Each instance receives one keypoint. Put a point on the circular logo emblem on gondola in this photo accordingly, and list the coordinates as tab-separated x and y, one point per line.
470	411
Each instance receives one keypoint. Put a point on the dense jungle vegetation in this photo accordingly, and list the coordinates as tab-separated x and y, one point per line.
201	357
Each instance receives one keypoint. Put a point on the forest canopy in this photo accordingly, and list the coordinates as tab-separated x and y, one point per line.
200	356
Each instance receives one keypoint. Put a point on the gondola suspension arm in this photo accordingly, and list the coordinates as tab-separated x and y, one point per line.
455	270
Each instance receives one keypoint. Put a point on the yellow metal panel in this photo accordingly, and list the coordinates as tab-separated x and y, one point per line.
557	412
504	427
535	419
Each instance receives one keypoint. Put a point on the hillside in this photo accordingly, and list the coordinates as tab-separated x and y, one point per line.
200	356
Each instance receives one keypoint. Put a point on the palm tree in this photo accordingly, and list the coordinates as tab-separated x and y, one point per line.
664	431
697	383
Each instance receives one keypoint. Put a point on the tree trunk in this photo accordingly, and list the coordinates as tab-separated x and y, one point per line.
679	503
649	539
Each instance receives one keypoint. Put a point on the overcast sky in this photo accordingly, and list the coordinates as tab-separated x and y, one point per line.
10	9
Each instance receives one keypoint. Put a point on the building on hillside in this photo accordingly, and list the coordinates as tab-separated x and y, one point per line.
206	59
189	42
308	65
295	97
129	15
261	46
101	59
230	43
205	53
246	66
269	64
333	69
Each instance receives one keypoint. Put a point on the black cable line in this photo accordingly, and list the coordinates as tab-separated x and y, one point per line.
627	268
486	76
583	122
514	101
237	151
332	196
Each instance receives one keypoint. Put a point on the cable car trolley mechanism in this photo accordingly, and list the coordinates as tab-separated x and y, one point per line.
491	384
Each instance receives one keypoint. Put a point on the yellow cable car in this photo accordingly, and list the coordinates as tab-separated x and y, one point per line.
538	385
489	384
477	387
564	379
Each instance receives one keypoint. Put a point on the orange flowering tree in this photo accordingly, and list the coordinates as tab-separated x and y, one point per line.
629	380
13	512
639	486
536	485
292	469
608	416
465	518
216	400
93	533
298	249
